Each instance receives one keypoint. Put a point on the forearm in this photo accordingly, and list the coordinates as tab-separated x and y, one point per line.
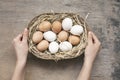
85	71
19	71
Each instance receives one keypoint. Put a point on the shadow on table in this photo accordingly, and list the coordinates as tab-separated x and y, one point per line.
50	64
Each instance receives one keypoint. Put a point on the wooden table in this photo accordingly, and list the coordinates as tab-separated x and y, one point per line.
104	20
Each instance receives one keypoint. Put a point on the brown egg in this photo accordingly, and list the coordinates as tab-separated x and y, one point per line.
74	40
37	37
56	26
45	26
43	45
63	36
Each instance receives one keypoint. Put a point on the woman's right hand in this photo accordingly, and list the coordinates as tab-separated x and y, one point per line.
92	47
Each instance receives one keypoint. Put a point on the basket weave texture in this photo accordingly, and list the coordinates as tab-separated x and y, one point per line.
51	17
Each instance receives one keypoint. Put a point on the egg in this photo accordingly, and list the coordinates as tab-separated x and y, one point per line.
74	40
45	26
37	37
63	36
65	46
53	47
67	24
49	36
56	26
77	30
43	45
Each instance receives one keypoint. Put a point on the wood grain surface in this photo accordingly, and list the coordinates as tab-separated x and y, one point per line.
104	20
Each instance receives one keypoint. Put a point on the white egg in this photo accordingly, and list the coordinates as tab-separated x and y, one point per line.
77	30
50	36
65	46
53	47
67	24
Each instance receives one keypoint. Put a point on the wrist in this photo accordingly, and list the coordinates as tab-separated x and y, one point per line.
88	62
21	62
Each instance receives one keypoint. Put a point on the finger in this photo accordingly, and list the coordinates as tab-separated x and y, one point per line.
95	39
90	41
18	38
25	35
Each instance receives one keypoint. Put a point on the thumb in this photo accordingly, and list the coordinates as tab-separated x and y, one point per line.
25	35
90	37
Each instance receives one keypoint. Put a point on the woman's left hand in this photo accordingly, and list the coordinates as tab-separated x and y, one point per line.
21	46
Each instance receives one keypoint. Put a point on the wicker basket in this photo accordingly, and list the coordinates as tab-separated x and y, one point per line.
76	50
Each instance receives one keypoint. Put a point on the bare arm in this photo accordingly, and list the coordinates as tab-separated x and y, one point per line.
21	48
90	55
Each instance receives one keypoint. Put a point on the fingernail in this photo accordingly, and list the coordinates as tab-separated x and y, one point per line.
25	29
89	32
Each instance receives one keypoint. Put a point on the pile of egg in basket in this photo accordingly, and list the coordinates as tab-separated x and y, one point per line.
57	36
